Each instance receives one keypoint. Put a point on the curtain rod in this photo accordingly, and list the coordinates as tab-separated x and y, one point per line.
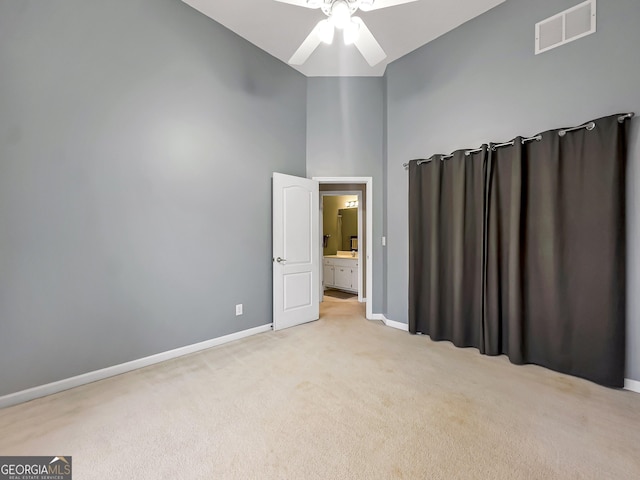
589	126
478	150
624	116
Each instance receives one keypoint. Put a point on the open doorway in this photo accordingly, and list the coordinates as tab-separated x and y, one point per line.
360	187
341	231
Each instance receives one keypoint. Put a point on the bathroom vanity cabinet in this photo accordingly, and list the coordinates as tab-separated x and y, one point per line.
341	273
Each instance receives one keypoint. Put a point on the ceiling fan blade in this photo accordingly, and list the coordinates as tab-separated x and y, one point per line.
367	44
302	3
368	5
308	46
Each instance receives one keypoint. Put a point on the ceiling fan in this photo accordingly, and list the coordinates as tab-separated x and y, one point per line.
339	13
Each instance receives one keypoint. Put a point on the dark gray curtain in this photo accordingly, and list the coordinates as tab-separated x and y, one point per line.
503	243
552	273
446	230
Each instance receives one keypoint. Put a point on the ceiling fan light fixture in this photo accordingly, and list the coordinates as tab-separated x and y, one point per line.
351	32
340	14
326	31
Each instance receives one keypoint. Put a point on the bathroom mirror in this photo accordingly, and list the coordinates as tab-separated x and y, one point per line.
349	218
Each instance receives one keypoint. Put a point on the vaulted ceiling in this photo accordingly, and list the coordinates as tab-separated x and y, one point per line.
279	29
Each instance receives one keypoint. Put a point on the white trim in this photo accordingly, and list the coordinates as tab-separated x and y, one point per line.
632	385
90	377
389	323
393	324
343	179
368	181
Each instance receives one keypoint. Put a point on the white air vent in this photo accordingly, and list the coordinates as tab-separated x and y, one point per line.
567	26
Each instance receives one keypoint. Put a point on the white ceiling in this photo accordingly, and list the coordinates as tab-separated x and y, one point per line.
279	29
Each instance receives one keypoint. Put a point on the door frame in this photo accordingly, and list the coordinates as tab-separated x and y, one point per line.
368	182
343	193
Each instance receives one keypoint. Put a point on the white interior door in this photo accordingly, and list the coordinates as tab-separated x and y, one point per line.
296	269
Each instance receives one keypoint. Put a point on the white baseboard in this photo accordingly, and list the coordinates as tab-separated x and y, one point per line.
632	385
389	323
90	377
393	324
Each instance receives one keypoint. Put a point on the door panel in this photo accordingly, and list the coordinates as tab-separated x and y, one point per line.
297	290
296	269
297	203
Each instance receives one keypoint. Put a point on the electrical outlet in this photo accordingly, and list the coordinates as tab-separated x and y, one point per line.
239	309
384	241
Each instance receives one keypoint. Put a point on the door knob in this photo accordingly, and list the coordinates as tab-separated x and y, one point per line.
280	260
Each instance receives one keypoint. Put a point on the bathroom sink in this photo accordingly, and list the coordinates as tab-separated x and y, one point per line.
342	255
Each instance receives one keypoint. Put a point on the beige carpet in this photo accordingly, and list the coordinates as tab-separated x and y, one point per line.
341	398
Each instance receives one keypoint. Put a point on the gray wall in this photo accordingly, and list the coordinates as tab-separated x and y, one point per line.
345	139
482	82
137	141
